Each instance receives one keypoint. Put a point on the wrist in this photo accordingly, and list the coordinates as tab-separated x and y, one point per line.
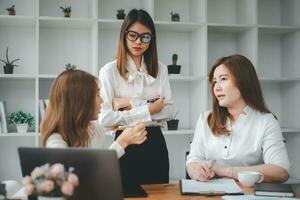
122	142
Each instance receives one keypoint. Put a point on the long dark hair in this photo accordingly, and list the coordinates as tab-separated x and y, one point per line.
150	55
71	107
246	80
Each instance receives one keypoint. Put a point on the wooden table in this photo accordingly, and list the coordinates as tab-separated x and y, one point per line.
172	192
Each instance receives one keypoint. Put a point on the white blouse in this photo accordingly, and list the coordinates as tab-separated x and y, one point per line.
140	86
254	139
97	140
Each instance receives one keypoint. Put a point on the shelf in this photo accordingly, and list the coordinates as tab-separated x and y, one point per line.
179	132
185	78
278	80
7	20
289	130
110	24
62	22
16	76
176	26
47	76
29	134
271	29
228	28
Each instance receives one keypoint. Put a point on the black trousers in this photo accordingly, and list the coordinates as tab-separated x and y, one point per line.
146	163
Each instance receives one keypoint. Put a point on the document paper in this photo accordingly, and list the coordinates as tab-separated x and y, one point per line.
214	186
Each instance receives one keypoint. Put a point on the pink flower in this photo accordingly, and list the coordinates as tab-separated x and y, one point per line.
26	180
67	188
38	171
73	178
47	186
56	169
29	189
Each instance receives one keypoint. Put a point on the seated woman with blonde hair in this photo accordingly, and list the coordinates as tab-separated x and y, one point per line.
240	133
71	117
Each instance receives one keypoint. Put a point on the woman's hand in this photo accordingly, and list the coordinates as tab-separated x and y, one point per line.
156	106
200	170
135	135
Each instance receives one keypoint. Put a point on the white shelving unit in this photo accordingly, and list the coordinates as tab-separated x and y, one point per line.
266	31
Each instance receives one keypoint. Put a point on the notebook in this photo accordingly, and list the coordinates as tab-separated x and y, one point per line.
273	189
220	186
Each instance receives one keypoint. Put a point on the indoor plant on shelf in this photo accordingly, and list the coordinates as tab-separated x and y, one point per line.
11	10
22	121
173	123
174	68
51	182
67	10
9	65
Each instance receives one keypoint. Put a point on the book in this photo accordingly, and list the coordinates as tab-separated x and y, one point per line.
3	117
14	190
273	189
221	186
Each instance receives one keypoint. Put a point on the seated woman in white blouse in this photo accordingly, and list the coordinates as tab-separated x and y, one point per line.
71	116
240	133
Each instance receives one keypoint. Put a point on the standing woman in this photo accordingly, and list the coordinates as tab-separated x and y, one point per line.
136	75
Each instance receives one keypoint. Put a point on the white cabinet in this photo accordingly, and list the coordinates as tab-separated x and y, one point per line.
266	31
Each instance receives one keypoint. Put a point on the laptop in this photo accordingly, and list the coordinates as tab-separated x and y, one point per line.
98	170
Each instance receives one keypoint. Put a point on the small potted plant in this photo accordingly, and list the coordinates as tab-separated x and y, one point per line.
173	123
174	68
70	66
67	10
11	10
22	121
51	182
175	17
9	65
121	14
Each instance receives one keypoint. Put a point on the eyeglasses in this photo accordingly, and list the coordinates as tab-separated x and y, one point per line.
133	36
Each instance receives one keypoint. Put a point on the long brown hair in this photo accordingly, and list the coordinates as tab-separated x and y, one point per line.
71	107
246	80
150	55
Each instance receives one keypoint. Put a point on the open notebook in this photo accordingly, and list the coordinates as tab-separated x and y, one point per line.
220	186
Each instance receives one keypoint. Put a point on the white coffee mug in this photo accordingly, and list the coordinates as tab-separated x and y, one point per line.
249	178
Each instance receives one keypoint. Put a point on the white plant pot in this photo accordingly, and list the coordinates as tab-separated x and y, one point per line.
50	198
22	128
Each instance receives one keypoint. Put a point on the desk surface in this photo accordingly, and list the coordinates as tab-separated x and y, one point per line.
172	192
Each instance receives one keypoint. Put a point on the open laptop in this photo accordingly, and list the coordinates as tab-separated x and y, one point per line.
98	170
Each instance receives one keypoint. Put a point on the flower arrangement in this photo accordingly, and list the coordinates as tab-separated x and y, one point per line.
11	10
21	118
51	181
67	10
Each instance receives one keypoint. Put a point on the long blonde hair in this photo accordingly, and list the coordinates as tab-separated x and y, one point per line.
71	107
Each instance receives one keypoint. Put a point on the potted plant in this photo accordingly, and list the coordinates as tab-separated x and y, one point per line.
175	17
9	65
173	123
121	14
51	182
22	121
174	68
67	10
11	10
70	66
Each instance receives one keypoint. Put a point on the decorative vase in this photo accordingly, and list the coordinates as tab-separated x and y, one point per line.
67	14
8	69
173	124
22	128
174	69
12	12
51	198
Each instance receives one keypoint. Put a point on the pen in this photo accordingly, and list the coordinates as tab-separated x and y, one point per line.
125	126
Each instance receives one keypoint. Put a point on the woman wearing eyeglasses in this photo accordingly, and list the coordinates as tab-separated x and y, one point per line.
136	75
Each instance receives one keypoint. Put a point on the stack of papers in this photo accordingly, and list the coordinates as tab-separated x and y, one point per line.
253	197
